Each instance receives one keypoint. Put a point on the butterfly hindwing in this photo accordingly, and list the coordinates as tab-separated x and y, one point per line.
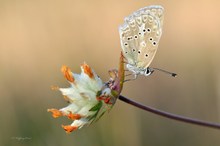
140	35
128	42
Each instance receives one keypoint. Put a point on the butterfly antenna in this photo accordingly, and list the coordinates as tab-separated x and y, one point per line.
167	72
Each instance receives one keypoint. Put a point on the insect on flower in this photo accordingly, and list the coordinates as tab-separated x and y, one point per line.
139	36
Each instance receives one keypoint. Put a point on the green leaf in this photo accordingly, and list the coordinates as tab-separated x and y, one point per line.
96	107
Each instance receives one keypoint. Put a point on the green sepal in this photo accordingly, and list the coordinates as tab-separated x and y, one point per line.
98	93
96	107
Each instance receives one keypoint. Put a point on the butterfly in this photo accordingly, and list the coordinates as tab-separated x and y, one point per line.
140	35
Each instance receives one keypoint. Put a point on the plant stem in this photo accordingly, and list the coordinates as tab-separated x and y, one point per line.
170	115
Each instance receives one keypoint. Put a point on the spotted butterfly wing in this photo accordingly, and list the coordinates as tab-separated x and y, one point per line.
140	35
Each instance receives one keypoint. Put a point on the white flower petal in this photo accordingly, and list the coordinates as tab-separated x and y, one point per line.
71	93
80	123
73	108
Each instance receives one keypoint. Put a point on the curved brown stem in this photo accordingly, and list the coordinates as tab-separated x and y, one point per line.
169	115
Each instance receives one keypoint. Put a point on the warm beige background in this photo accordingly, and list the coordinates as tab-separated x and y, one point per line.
38	36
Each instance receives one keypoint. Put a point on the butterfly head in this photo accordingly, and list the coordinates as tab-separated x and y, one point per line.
148	71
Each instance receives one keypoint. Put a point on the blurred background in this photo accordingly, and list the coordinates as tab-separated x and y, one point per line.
38	36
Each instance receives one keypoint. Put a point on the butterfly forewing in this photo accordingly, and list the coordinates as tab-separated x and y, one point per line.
140	35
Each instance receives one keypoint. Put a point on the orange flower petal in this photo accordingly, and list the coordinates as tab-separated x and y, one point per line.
55	113
69	128
87	70
73	116
67	73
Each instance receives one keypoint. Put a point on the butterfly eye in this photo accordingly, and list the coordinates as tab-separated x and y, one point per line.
147	72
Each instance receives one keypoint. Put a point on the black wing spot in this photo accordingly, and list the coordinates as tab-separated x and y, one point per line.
144	30
126	52
133	50
126	44
139	51
151	39
135	36
129	38
154	43
148	30
146	55
139	33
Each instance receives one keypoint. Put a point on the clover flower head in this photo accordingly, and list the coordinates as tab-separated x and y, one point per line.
88	97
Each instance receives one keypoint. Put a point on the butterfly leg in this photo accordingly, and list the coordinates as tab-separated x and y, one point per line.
135	77
128	75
